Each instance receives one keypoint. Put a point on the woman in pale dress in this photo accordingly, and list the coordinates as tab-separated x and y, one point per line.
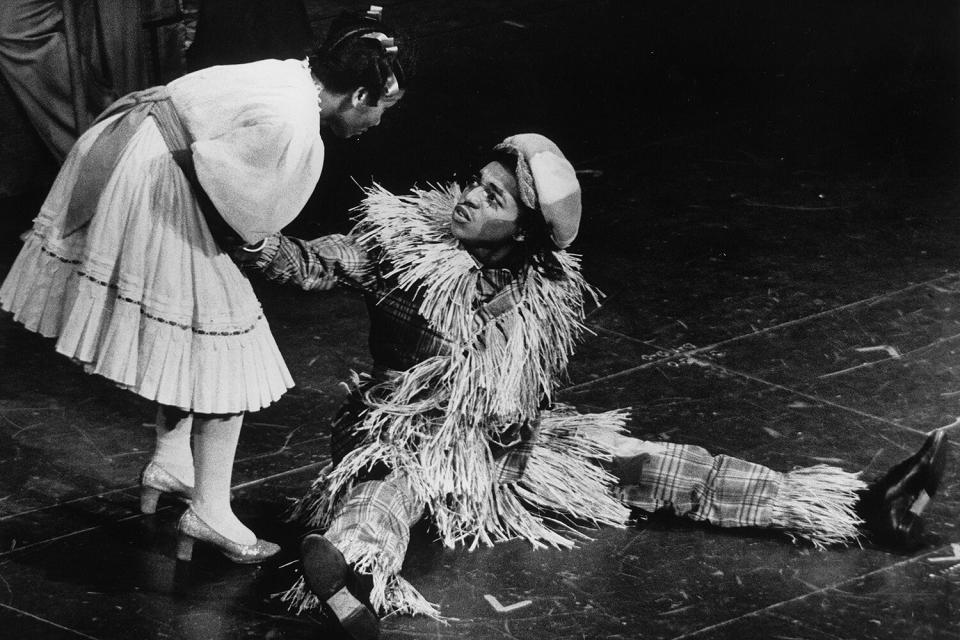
126	264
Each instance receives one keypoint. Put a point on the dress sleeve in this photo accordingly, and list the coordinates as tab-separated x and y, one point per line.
259	175
310	264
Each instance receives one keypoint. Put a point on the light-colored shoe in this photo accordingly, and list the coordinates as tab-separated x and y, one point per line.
155	480
192	528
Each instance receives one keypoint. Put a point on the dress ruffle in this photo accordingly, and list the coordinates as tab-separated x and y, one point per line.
142	295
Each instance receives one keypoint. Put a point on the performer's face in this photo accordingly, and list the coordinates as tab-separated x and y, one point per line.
353	116
487	212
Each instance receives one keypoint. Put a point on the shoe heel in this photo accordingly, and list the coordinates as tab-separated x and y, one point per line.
148	500
356	619
184	547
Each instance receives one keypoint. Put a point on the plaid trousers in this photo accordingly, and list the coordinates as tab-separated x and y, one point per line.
687	481
654	476
377	513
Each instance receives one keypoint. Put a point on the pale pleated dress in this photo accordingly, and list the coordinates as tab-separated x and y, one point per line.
142	295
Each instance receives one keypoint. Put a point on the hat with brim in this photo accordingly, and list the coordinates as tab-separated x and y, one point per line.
547	183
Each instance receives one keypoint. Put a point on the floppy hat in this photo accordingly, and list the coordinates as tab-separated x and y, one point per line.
547	183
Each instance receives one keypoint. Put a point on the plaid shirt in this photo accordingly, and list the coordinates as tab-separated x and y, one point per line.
399	336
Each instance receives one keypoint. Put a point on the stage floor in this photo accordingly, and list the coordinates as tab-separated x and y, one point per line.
776	289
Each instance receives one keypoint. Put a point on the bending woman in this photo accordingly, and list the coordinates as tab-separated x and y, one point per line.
127	263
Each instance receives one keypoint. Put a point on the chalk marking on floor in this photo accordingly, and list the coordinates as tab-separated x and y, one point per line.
499	608
891	351
955	549
951	425
895	355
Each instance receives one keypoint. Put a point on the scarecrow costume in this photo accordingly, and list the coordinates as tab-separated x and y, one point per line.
456	420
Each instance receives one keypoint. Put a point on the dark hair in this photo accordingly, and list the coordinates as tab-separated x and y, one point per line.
536	236
346	60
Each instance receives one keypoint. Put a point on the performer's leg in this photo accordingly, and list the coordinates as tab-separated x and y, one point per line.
823	504
376	515
361	554
815	503
170	469
687	481
371	528
210	517
215	439
172	451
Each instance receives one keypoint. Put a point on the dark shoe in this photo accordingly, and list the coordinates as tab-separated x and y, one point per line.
891	506
328	575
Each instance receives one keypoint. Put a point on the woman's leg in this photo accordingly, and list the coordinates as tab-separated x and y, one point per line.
215	445
170	469
172	451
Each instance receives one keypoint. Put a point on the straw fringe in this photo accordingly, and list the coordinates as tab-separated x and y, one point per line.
434	422
496	372
817	504
543	508
298	598
568	446
390	593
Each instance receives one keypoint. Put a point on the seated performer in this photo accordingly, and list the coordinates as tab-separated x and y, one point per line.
475	308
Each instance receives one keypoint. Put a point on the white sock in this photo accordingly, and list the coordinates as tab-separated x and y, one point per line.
172	451
215	445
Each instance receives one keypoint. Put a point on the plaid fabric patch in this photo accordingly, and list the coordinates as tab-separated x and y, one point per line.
687	481
513	450
379	513
499	292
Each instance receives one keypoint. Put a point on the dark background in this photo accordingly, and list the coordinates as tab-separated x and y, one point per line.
868	87
863	87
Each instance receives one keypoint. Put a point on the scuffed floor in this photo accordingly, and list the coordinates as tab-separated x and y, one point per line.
776	289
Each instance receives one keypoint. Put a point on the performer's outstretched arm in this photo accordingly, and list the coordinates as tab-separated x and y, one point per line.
317	264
